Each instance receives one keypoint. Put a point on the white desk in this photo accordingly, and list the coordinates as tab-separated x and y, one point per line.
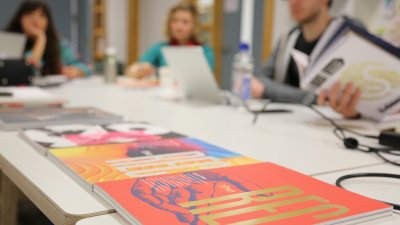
384	189
286	139
59	197
109	219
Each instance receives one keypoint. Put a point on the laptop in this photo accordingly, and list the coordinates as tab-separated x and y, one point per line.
16	72
193	73
12	45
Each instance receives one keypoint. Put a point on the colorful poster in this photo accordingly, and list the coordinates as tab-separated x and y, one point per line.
63	136
123	161
261	193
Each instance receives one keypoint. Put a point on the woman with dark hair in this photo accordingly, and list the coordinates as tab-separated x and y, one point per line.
182	28
44	48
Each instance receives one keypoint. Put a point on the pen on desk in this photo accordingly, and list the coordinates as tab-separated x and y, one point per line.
6	94
257	113
276	111
269	111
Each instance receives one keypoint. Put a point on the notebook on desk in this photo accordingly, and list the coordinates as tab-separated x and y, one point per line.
26	97
14	119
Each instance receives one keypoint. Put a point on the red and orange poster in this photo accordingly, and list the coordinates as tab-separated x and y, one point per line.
262	193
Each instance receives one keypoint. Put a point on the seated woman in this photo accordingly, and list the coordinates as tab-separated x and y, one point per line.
182	29
44	48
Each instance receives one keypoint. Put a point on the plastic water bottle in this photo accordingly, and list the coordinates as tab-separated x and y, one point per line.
242	71
110	65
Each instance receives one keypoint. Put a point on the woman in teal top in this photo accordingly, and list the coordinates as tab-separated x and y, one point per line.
44	48
71	62
182	30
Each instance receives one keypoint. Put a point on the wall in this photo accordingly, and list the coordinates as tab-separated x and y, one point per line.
282	20
85	30
258	32
7	10
60	10
117	27
151	22
230	38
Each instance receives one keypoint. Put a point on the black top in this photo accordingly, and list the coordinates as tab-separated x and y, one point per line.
292	75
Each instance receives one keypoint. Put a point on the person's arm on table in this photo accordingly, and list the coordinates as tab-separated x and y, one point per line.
263	85
147	64
72	67
36	55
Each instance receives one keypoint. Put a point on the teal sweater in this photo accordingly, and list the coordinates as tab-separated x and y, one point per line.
155	57
68	58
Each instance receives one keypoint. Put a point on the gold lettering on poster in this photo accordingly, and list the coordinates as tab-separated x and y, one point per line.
290	195
242	199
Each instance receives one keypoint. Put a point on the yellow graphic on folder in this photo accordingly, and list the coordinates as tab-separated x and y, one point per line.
376	80
103	163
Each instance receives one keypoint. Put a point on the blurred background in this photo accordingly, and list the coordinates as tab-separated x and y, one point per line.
132	26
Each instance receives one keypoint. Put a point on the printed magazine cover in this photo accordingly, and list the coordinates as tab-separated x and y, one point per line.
123	161
73	135
261	193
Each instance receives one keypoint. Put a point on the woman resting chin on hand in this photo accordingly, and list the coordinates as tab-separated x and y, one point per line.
343	101
43	48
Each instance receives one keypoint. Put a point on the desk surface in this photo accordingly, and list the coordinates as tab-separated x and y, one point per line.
291	140
384	189
33	173
109	219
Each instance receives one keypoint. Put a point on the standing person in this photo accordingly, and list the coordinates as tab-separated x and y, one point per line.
182	29
279	79
44	48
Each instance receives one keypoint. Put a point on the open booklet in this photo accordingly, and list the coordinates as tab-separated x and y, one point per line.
353	55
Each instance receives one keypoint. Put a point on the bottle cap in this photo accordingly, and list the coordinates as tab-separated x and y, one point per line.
111	51
244	47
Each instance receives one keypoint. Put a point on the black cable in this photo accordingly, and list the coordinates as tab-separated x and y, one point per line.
340	180
352	143
379	154
234	99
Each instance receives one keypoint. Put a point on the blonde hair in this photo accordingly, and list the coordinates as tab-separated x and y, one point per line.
188	7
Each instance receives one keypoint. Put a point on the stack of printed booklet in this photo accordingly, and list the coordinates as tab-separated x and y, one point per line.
152	175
